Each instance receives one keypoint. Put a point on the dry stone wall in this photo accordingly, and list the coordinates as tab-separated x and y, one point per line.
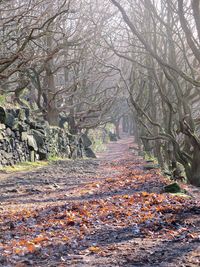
23	139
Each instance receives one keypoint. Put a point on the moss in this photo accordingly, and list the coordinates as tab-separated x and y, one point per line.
6	102
181	194
2	100
26	103
110	127
150	158
98	140
173	188
100	137
24	166
98	146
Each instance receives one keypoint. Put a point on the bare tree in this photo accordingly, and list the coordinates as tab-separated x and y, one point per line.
171	78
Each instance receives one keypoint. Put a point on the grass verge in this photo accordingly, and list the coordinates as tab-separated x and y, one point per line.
24	166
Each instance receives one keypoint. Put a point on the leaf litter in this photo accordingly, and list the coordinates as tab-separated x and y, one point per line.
120	217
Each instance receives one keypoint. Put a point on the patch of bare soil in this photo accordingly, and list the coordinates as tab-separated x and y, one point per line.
104	212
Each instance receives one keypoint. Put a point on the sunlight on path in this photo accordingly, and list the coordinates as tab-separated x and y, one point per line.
117	150
99	212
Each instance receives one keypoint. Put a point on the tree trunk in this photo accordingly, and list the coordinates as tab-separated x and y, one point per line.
194	177
52	115
117	124
72	124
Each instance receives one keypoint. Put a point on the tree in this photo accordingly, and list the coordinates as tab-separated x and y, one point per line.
54	52
170	78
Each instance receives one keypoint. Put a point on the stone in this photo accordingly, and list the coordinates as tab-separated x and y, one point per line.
66	126
37	156
150	166
4	162
167	173
85	140
39	137
15	126
63	120
14	190
8	156
72	138
8	131
32	142
33	190
112	136
1	136
89	153
43	154
17	134
172	188
14	112
2	126
141	153
32	155
24	136
22	127
27	112
45	125
149	161
41	131
32	124
12	144
42	147
8	148
179	172
2	115
10	120
22	115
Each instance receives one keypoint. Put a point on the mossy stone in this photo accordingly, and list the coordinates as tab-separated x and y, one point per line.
172	188
150	166
149	161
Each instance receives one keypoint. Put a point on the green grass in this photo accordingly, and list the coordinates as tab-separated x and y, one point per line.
29	166
25	166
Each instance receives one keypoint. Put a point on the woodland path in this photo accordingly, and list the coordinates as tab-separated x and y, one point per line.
103	212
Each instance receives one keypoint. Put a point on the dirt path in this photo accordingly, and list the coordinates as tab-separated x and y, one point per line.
60	181
103	212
